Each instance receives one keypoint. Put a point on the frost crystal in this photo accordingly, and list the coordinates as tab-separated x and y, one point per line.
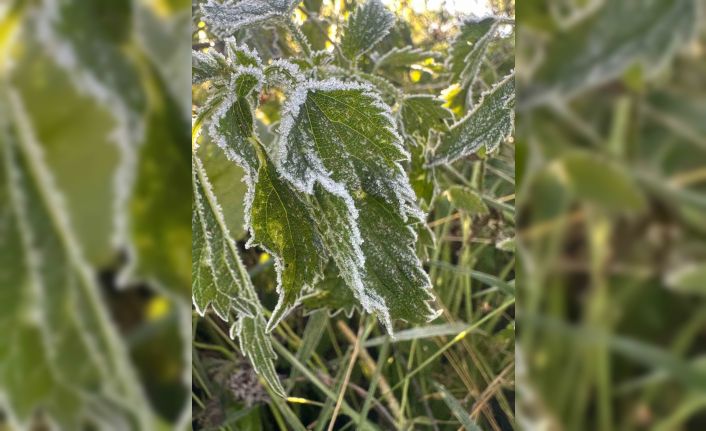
226	18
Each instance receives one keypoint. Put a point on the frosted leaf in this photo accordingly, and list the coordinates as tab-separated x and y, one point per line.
232	120
281	73
245	80
487	125
281	223
59	338
619	35
366	26
322	58
469	47
422	113
217	275
206	66
256	345
221	280
342	133
241	55
331	293
402	57
224	19
338	143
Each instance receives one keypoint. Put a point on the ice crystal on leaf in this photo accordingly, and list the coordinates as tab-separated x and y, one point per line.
226	18
367	25
486	126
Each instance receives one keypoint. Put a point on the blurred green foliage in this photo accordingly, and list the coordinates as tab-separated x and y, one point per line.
611	163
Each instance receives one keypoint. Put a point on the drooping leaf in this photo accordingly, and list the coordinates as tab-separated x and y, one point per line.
218	276
605	45
255	344
221	280
366	26
338	144
469	47
486	126
280	222
403	57
466	200
392	268
224	19
423	112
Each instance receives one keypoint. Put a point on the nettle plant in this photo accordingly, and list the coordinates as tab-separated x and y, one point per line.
329	194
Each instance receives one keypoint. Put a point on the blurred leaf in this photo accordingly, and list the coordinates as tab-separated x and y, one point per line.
159	215
466	200
76	151
689	278
63	355
403	57
593	179
366	26
605	45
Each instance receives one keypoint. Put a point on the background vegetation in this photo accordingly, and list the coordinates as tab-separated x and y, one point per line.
611	152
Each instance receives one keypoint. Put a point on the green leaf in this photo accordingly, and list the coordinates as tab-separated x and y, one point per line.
490	122
159	215
256	345
280	222
403	57
331	293
206	66
456	408
218	275
469	47
604	46
221	281
224	19
74	151
62	354
366	26
613	189
422	113
466	200
338	144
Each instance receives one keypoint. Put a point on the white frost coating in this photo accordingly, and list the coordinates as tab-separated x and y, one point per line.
226	18
129	131
232	57
218	216
284	74
245	70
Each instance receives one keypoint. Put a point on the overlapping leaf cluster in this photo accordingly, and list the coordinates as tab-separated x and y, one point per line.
329	196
